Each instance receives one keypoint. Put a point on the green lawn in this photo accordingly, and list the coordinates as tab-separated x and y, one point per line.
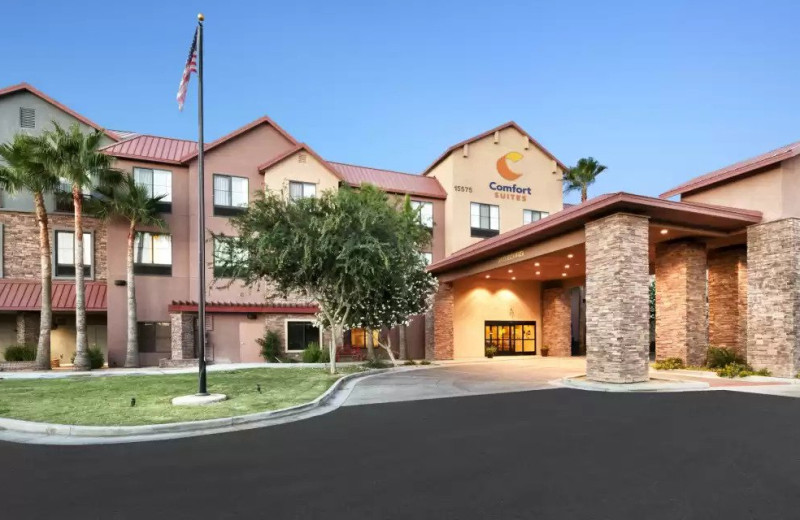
106	401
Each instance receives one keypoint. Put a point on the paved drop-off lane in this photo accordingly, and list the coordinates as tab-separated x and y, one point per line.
544	454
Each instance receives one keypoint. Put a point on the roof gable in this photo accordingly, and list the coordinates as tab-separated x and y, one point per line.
291	153
25	87
264	120
510	124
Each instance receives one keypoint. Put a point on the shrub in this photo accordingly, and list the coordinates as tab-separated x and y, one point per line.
491	351
672	363
409	362
21	353
324	355
719	357
425	362
312	353
270	346
741	370
376	363
96	358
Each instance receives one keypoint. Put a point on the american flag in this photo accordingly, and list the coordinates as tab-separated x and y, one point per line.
191	66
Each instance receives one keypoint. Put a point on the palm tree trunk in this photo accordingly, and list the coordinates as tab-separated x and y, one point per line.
46	314
584	193
132	351
81	345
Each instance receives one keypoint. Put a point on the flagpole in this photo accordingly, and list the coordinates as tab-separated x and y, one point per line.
201	217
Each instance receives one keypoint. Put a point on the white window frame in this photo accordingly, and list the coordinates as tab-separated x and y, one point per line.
303	187
531	213
151	187
286	333
427	257
91	253
424	219
494	222
230	178
152	248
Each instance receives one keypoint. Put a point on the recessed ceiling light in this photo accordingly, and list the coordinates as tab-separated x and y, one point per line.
570	255
510	270
566	266
563	274
664	231
537	272
513	277
488	276
536	264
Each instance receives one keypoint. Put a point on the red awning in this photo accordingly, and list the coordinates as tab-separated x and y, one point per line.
232	307
26	295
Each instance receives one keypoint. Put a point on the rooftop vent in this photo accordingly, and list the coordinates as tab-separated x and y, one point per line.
27	117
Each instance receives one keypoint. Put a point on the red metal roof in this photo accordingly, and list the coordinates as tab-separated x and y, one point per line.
232	307
736	170
25	86
26	295
152	148
510	124
704	216
390	181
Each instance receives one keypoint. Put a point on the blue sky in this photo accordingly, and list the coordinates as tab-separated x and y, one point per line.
657	91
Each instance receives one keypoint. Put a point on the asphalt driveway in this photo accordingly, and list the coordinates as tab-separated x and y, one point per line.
546	455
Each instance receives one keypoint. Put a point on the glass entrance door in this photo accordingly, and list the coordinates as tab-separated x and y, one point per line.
511	337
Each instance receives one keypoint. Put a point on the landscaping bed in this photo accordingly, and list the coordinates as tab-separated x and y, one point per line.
106	401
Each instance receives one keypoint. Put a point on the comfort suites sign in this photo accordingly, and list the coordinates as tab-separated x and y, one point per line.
504	168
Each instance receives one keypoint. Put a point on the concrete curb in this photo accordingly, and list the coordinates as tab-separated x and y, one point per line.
712	375
16	430
661	385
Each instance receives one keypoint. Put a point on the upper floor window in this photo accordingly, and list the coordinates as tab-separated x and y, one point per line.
27	117
230	194
302	190
530	215
425	212
427	258
152	253
65	254
226	258
158	183
484	220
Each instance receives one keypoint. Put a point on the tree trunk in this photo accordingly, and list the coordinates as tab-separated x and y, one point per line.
46	314
584	193
81	346
388	348
132	350
401	333
332	349
370	343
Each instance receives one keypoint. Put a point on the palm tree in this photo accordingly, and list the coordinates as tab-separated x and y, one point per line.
582	176
131	203
25	170
74	158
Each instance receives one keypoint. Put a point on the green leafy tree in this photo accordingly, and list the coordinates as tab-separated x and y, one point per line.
132	204
75	159
24	170
583	175
334	249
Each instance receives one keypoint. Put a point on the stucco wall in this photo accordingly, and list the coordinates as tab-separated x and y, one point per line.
477	301
300	167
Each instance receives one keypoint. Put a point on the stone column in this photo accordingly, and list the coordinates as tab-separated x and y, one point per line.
727	298
429	335
182	330
773	296
443	322
617	299
28	328
557	321
681	324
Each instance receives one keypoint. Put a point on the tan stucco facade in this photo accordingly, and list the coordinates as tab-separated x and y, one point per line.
299	167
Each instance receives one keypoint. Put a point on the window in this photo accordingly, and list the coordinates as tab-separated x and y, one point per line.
27	117
230	195
484	220
357	338
154	337
65	254
152	253
300	334
529	215
425	212
427	258
302	190
226	258
510	337
157	183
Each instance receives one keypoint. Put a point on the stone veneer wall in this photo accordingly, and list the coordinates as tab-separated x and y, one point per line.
617	299
681	324
430	341
443	322
28	328
727	298
557	321
773	296
182	331
21	243
277	323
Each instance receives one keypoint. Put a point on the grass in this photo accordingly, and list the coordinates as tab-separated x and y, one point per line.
106	401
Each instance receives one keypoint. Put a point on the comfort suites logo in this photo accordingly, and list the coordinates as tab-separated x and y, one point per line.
509	191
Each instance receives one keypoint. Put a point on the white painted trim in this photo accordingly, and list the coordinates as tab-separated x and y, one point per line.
286	333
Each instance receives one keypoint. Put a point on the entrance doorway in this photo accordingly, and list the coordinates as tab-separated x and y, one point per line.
511	338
